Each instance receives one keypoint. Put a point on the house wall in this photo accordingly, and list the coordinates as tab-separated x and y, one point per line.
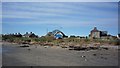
95	34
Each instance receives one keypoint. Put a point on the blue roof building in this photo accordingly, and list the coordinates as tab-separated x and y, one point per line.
57	34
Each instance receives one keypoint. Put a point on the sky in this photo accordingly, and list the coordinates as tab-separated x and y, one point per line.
60	0
72	18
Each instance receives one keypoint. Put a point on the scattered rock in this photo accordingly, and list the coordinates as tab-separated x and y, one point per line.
85	59
105	48
71	46
57	45
83	56
46	46
93	48
104	58
118	49
64	46
29	49
71	49
80	48
24	46
94	54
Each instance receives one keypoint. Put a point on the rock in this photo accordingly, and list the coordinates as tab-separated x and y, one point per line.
29	49
64	46
83	56
85	59
94	54
80	48
105	48
71	46
71	49
104	58
24	46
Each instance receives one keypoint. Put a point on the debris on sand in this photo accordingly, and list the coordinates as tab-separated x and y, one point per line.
29	49
24	46
71	46
104	58
93	48
83	56
94	54
105	48
79	48
64	46
46	46
85	59
71	49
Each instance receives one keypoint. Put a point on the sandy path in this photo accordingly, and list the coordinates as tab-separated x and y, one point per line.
13	55
0	54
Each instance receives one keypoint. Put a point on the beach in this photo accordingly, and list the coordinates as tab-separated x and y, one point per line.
0	54
37	55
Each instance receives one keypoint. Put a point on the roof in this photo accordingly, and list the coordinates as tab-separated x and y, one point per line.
57	31
95	30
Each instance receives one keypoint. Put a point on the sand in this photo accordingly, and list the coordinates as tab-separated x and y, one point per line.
0	54
36	55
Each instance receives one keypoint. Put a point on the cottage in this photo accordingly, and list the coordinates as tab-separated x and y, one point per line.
57	34
95	33
32	35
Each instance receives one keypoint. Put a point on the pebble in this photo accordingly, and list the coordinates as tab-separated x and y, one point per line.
94	54
85	59
82	56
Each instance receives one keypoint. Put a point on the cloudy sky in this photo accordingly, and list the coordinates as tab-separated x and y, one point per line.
60	0
73	18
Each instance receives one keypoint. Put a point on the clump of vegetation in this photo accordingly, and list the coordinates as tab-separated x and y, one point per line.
51	39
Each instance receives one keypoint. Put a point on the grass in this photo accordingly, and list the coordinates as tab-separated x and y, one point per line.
49	39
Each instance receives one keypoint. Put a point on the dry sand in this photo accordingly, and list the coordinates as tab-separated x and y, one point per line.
0	54
13	55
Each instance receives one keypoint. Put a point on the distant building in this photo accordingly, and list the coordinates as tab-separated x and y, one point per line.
95	33
50	34
118	36
57	34
18	35
72	36
30	35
